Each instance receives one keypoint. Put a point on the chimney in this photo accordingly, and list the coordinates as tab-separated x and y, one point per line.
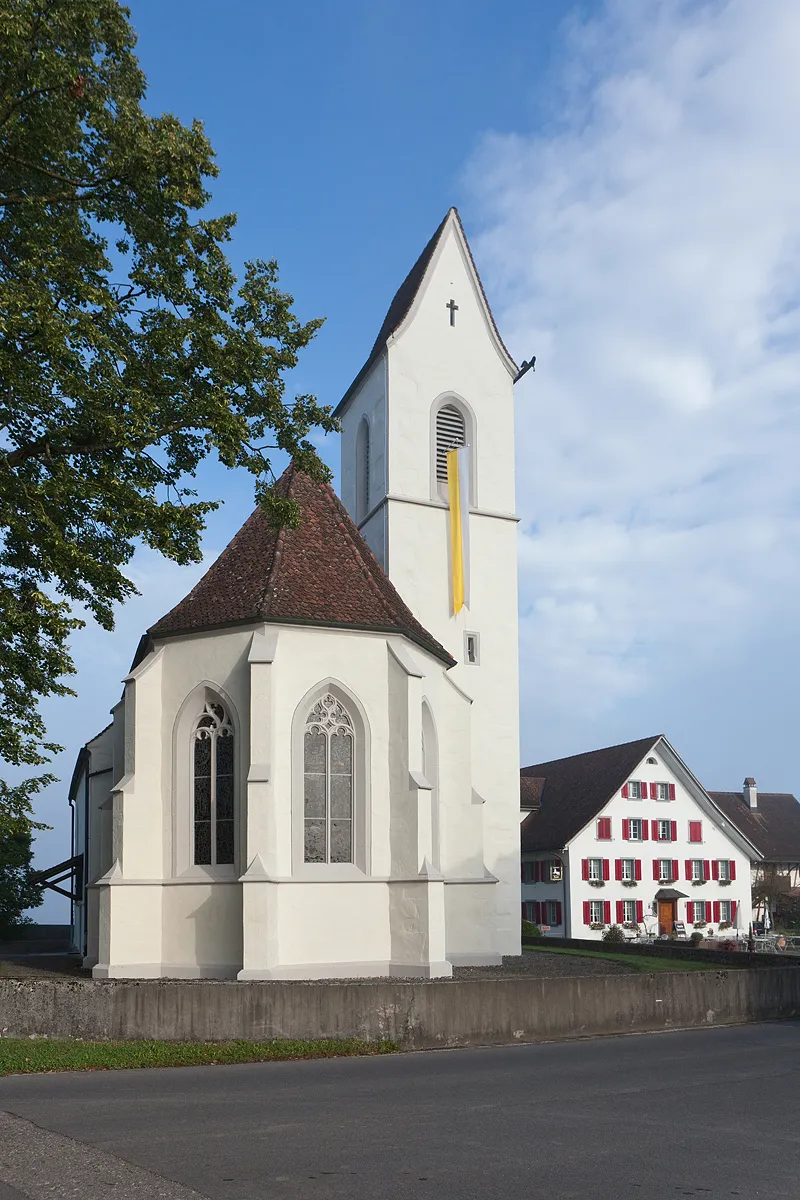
750	792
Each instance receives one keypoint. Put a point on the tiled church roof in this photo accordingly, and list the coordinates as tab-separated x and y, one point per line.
403	299
322	573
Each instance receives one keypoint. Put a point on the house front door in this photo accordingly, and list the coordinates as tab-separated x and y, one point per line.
666	915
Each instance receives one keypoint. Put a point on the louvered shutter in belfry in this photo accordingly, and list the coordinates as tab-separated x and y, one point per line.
450	432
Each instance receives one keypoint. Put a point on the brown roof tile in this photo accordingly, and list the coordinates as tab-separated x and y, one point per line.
773	827
573	790
322	573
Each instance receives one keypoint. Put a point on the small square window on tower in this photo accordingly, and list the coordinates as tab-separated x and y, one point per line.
472	649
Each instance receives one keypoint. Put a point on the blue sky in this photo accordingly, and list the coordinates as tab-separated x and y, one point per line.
628	179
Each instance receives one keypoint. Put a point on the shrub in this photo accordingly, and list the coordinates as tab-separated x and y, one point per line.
614	934
696	937
529	930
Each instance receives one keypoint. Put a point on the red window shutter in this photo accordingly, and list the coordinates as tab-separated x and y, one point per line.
673	831
732	868
672	791
558	912
584	868
523	911
620	912
706	869
734	906
715	869
716	911
523	872
618	868
644	831
604	828
708	910
606	871
694	831
653	791
626	831
654	825
656	872
675	874
637	868
607	911
624	791
537	911
688	868
639	910
587	913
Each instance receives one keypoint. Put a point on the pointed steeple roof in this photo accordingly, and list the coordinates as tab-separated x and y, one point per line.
322	573
405	296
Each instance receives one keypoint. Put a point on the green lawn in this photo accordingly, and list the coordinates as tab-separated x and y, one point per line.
638	962
25	1055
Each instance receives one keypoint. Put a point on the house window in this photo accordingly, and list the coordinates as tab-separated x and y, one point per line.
595	868
636	790
362	470
529	912
472	649
213	787
635	830
629	910
664	831
665	870
725	910
527	873
596	912
695	831
628	870
328	783
451	431
697	873
662	791
724	868
551	913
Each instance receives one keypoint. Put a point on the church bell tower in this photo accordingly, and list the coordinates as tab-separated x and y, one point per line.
440	377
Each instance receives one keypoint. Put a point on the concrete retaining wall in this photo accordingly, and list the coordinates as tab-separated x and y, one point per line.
416	1015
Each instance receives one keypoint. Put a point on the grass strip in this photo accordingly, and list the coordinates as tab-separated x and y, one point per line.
23	1056
638	962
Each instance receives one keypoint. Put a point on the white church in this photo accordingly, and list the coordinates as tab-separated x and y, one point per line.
313	771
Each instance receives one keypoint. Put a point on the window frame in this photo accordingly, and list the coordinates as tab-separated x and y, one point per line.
629	904
548	904
599	877
631	878
701	877
438	488
363	490
476	639
722	905
662	878
726	878
360	866
220	728
635	821
659	785
662	821
595	920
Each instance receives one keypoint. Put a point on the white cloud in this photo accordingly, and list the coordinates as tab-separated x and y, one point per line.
647	248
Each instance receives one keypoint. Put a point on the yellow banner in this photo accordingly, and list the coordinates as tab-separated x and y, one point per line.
456	529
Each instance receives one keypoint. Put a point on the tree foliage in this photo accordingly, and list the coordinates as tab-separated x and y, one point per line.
129	352
17	892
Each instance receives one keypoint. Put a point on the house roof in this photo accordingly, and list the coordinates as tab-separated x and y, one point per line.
773	827
321	573
571	791
403	299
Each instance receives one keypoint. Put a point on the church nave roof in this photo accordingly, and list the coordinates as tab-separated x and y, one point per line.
322	573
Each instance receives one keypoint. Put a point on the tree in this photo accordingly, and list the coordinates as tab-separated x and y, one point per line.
128	351
17	892
771	888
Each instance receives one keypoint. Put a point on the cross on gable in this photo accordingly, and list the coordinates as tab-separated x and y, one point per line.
453	310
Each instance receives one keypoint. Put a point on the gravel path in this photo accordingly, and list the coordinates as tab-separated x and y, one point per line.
536	964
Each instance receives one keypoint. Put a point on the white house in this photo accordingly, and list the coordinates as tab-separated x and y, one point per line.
313	768
627	835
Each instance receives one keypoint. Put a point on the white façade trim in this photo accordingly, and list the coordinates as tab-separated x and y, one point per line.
376	969
263	646
402	655
165	971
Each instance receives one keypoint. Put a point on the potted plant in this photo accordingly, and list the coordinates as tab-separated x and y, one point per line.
596	883
597	925
700	924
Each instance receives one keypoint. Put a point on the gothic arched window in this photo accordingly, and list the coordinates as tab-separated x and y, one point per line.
451	431
328	762
362	470
213	786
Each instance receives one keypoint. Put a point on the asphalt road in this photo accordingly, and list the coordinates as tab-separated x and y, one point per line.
712	1113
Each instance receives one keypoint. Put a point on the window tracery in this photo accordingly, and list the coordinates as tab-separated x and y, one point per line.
213	787
328	761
